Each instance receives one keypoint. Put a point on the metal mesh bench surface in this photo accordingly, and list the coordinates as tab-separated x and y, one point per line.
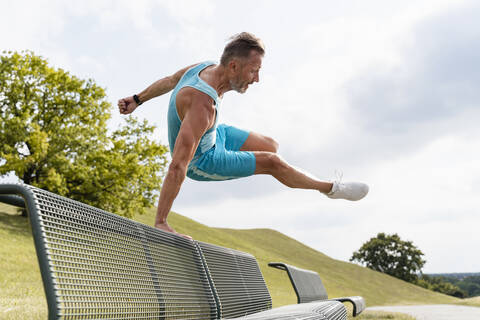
238	281
99	265
332	310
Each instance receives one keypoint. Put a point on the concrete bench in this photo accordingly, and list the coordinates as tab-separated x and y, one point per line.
98	265
309	287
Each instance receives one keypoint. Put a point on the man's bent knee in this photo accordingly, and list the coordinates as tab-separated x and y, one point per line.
273	144
268	163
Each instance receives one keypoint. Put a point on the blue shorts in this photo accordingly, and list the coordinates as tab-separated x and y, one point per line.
224	161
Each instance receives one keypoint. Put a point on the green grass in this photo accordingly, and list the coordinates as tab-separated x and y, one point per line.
21	290
381	315
474	302
22	296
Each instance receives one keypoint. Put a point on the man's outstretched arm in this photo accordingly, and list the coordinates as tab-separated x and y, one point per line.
128	105
197	120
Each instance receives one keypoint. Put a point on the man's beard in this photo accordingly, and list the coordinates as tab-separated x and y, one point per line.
237	88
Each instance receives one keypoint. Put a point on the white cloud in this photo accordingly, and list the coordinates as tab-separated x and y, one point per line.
333	76
29	23
422	197
413	172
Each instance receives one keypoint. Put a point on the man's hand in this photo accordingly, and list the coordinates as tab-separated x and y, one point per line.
165	227
127	105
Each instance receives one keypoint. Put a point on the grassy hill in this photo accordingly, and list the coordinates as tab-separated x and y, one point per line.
474	302
22	297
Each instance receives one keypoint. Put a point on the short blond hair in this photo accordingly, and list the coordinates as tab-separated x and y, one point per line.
240	46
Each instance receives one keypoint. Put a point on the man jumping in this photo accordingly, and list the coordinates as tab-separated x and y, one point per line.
206	151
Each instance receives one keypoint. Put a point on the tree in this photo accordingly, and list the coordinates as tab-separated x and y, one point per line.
391	255
53	135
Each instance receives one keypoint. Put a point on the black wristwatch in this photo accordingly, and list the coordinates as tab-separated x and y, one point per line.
137	100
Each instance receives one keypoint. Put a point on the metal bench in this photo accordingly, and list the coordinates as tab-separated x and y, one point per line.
309	287
97	265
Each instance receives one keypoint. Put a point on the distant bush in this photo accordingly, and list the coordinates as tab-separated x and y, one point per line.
470	284
440	284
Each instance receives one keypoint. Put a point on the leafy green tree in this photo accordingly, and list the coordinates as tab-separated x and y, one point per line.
391	255
53	135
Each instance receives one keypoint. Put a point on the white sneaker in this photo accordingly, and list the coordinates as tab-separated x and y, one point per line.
352	191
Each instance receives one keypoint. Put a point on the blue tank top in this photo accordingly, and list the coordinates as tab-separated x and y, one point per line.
191	79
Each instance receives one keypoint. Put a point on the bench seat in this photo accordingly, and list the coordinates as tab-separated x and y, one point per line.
322	310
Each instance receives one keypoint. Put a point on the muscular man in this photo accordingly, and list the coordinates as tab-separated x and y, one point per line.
205	151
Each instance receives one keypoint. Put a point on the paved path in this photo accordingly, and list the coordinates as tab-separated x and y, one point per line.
436	312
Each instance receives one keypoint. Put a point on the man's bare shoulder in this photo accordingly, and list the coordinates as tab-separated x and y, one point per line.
191	99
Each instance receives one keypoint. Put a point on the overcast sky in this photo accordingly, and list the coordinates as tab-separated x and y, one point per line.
384	91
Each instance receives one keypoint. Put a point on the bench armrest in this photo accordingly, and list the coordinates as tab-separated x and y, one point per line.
357	302
307	284
13	200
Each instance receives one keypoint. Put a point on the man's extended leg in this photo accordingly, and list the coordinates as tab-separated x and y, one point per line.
273	164
268	162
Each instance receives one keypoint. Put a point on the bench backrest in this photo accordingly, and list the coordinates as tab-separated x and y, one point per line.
237	280
95	264
307	284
